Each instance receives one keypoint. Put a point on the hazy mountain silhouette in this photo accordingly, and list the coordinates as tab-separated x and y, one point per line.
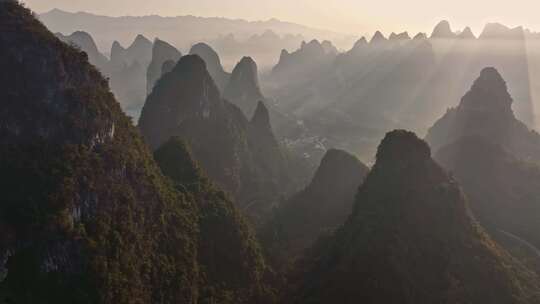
85	42
295	66
243	88
263	48
486	111
107	29
317	210
161	53
128	69
241	156
410	239
443	31
213	64
139	51
466	34
500	31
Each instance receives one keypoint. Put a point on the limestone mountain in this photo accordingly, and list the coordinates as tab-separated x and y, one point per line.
504	192
420	36
410	239
276	163
317	210
161	53
187	103
87	215
400	36
377	38
231	264
500	31
140	50
296	66
486	111
86	43
213	64
128	69
359	44
443	31
466	34
243	88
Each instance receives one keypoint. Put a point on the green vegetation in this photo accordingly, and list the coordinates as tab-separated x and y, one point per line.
87	216
410	239
231	264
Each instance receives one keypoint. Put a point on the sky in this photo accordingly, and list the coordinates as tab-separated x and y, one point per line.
344	16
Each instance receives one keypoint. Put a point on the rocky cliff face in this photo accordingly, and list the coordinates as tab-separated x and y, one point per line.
161	53
410	239
486	111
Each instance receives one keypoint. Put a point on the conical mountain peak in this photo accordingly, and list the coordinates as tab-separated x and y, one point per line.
420	36
161	53
140	40
247	64
204	49
191	64
401	146
360	42
243	88
467	34
443	30
162	48
409	239
488	93
187	92
336	163
377	37
245	74
213	63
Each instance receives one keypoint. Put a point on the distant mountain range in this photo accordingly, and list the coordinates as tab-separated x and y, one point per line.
182	31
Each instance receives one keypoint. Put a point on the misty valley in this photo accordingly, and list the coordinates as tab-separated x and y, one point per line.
206	160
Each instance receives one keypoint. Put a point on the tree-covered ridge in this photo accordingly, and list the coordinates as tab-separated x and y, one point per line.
86	215
504	192
410	239
231	264
318	210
